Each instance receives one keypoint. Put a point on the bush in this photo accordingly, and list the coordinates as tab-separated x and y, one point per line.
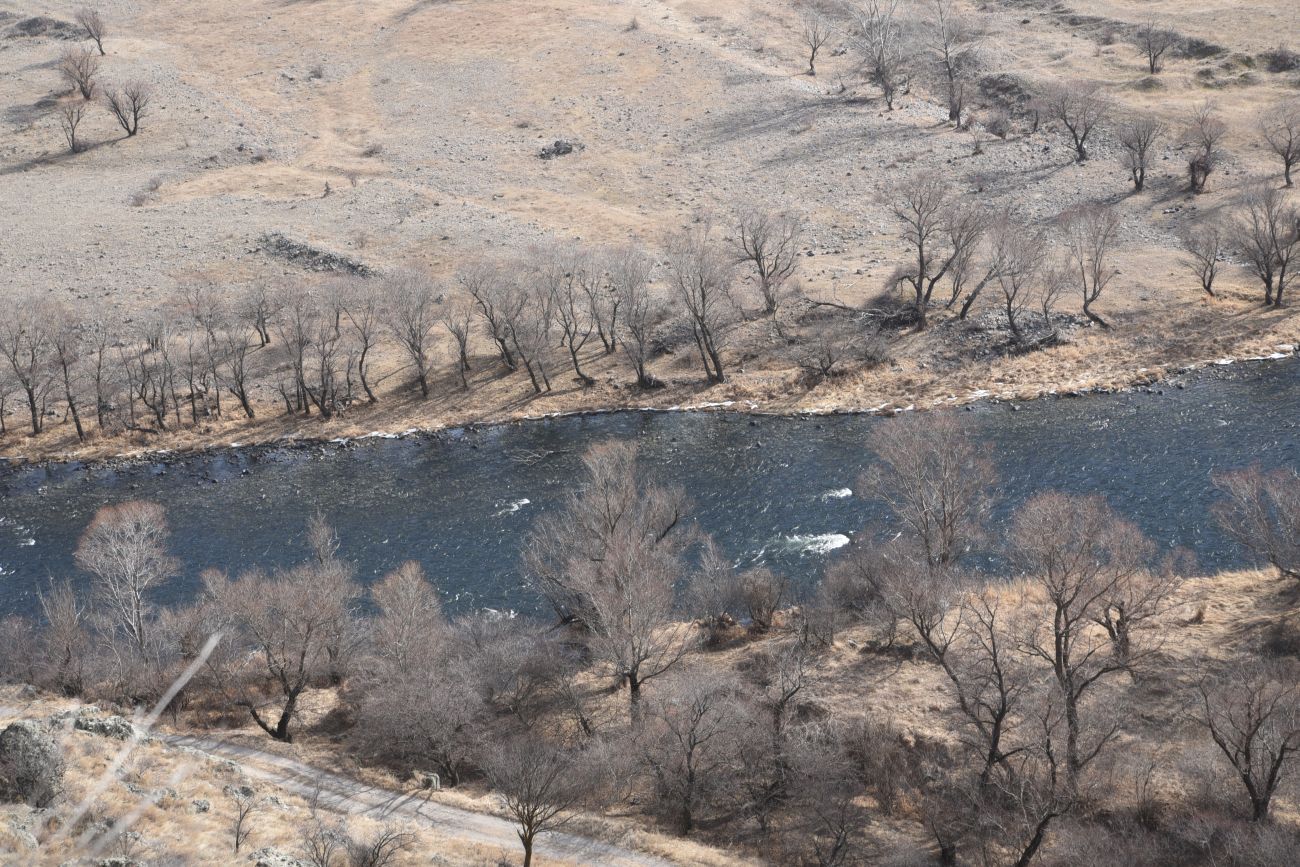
1280	59
31	764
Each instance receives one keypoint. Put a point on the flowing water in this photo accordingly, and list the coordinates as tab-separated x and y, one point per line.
777	490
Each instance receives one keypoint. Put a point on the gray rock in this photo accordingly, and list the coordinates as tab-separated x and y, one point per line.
559	148
31	764
107	726
200	806
238	791
268	857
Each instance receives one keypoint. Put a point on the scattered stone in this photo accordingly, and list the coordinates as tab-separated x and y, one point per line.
238	791
200	806
31	764
43	25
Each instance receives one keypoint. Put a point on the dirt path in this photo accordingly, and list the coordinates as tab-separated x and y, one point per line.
341	794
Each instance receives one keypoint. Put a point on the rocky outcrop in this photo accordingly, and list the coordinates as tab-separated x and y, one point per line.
31	764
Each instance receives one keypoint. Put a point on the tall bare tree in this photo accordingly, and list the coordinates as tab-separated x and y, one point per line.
539	784
561	272
1204	133
125	551
815	31
1280	127
935	481
1261	512
953	42
412	315
1081	556
92	24
71	114
1090	233
1154	42
457	316
1268	235
701	278
1137	137
770	244
1205	246
79	66
1081	108
610	560
1252	713
498	300
26	345
878	35
129	104
642	310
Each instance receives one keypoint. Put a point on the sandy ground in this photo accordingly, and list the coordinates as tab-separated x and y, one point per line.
424	121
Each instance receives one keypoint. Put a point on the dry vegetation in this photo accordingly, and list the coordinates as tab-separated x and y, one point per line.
1104	701
164	277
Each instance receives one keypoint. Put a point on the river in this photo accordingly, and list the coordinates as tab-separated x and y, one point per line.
770	489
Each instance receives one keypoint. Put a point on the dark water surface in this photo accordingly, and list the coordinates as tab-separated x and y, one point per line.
768	488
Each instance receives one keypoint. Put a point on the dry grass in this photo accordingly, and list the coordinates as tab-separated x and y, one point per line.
430	157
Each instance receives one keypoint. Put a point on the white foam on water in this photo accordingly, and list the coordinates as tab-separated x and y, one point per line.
822	543
838	494
513	506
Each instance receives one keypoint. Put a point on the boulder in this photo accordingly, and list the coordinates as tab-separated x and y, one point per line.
268	857
106	726
559	148
31	764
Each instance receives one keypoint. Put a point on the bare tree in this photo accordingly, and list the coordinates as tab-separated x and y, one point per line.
259	306
1204	244
1205	130
610	560
125	551
65	643
953	42
79	66
66	341
1268	235
561	274
922	204
378	849
936	483
1003	254
457	316
530	327
878	34
1082	557
498	300
1261	512
1080	107
690	746
242	826
70	116
90	21
770	243
129	104
290	620
1138	136
815	32
1280	127
701	277
412	316
540	785
1252	713
642	310
1090	234
1154	41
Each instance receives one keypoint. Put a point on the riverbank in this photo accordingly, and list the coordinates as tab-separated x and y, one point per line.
920	377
